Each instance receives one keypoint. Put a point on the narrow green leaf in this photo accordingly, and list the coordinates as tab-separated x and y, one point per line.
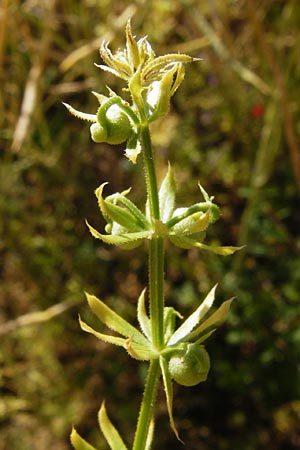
101	204
132	208
142	317
167	196
214	320
117	230
187	243
133	56
161	61
111	434
123	217
193	320
194	223
115	213
137	351
115	340
223	250
170	315
168	386
102	98
178	79
182	213
148	444
79	443
114	321
119	239
79	114
182	241
204	337
204	193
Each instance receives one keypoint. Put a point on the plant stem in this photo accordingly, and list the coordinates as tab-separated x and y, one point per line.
151	181
146	411
156	291
156	294
156	247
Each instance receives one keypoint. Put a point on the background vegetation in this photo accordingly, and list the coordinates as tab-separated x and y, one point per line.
234	125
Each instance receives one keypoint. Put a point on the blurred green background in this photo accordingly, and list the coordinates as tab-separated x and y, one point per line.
234	125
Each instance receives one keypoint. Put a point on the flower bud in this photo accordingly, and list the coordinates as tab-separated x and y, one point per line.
190	366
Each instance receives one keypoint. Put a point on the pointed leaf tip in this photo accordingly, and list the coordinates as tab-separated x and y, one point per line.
78	442
167	195
110	432
142	316
79	114
216	319
168	387
112	320
183	332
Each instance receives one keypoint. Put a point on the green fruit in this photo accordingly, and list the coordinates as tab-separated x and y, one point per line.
190	366
112	126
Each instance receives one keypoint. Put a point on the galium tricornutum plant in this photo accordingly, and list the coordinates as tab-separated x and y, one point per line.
174	354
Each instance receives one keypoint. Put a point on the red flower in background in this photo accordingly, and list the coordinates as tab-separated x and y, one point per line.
257	110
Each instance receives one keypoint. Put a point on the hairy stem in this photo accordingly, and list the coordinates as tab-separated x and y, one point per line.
151	181
147	406
156	247
156	291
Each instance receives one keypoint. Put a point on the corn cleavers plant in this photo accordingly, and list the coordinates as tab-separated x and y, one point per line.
173	354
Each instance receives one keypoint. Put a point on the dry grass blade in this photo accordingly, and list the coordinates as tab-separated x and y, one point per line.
246	74
3	25
35	318
28	105
74	57
276	70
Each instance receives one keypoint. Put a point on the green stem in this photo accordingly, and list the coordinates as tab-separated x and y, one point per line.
156	291
156	281
156	247
147	406
151	180
135	89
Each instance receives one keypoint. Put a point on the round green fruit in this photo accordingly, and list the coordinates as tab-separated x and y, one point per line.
112	127
190	366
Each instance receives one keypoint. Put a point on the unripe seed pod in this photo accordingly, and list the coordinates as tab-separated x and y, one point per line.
190	366
113	125
98	133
